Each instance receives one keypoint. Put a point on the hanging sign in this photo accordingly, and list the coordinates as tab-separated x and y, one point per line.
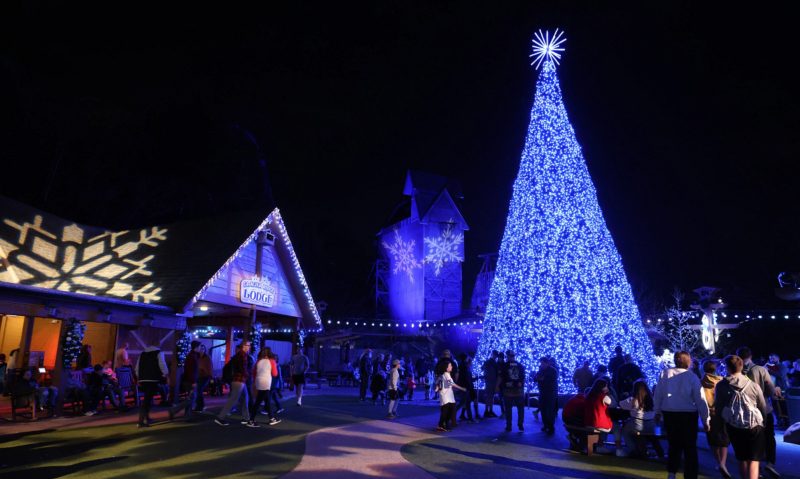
258	291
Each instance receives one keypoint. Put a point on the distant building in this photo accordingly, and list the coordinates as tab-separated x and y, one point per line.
422	250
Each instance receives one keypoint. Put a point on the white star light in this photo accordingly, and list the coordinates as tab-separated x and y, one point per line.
443	249
546	46
403	256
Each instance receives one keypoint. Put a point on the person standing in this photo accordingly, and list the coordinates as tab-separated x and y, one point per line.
121	358
582	377
3	369
394	389
240	375
151	369
617	360
447	400
299	366
741	404
624	377
364	373
84	360
512	380
277	383
547	380
204	373
679	399
760	376
717	435
489	369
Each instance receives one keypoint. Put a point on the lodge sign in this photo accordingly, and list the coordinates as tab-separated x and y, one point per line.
258	291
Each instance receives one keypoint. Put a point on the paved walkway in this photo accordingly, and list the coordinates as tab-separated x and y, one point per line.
366	449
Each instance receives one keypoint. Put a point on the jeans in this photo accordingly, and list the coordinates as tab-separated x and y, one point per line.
186	404
633	426
514	402
682	440
548	406
262	396
393	403
238	394
149	389
200	402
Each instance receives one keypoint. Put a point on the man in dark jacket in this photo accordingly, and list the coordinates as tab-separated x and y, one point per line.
241	375
151	369
364	373
189	380
512	381
547	380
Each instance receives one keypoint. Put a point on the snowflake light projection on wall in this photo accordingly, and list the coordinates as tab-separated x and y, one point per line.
403	258
109	264
444	248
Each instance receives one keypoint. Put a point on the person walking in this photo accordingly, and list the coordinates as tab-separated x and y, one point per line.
189	379
512	380
262	383
760	375
151	369
547	380
740	402
393	385
205	371
717	435
239	394
298	366
679	400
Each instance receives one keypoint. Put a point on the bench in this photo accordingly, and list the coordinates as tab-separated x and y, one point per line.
24	402
584	437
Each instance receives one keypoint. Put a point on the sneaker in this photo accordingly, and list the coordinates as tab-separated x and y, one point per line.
274	421
442	429
142	424
221	422
90	413
299	403
280	411
252	424
390	416
244	422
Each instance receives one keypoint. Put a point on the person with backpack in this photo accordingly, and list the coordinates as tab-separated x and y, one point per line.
240	371
740	402
717	435
760	376
679	400
512	380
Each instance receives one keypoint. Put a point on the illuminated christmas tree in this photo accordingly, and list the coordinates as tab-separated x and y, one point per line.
559	287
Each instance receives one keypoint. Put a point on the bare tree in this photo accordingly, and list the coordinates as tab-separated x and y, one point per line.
675	327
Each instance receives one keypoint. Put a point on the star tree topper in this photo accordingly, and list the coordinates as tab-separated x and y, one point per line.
546	46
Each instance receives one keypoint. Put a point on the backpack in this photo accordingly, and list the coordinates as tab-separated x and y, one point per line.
741	411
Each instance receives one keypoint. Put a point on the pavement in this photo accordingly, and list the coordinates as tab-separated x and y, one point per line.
333	435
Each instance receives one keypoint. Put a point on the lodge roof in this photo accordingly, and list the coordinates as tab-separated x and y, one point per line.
158	265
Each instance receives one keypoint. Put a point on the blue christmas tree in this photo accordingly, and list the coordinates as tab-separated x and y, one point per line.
559	287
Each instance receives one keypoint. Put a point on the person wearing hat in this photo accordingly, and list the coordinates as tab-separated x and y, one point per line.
512	380
191	373
394	393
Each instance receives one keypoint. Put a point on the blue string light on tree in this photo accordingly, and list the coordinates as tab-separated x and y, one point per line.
183	347
73	338
559	287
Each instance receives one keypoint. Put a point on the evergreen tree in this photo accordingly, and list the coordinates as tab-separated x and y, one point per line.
559	288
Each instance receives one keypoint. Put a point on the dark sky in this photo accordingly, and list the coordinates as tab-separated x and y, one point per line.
686	114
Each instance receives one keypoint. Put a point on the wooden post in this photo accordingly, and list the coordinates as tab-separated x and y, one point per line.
229	344
59	374
23	356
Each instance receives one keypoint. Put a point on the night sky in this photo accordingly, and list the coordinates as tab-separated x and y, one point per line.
687	116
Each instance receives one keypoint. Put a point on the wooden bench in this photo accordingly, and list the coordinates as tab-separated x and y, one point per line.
23	405
587	437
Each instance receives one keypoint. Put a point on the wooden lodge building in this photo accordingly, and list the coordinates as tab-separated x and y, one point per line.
146	286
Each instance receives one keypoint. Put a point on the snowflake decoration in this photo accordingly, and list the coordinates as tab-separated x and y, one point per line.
403	255
109	264
545	46
444	249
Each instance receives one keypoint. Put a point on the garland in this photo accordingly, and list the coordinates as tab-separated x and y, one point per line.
255	338
73	339
183	347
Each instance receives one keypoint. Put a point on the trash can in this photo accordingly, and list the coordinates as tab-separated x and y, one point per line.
793	405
